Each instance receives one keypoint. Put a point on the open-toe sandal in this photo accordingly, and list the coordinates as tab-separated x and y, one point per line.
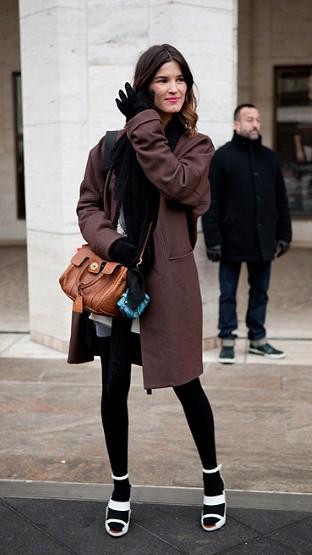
213	515
117	518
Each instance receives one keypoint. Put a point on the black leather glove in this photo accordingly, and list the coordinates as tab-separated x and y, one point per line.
281	247
123	252
214	253
132	103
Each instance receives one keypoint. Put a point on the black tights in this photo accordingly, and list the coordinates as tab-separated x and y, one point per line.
114	412
199	416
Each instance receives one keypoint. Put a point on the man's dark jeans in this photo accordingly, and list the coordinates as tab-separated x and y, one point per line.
258	279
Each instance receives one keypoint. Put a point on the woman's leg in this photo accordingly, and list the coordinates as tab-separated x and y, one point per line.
199	416
114	412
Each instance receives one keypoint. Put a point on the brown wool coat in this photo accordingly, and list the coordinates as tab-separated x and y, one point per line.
171	328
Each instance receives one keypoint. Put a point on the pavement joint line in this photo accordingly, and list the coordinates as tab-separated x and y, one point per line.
166	495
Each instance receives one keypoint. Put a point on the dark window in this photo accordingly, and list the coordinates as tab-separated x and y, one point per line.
293	133
19	145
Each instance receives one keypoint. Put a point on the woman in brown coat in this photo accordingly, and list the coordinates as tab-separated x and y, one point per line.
155	190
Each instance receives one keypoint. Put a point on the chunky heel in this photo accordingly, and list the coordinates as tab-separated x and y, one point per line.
117	518
213	515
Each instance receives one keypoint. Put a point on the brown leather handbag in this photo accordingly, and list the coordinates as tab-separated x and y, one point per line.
94	284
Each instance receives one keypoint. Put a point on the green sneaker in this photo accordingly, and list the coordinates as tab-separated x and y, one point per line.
227	355
266	350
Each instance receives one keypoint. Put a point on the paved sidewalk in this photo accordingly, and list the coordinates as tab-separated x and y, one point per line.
58	527
54	472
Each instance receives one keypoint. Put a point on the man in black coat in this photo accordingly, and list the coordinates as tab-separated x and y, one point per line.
248	221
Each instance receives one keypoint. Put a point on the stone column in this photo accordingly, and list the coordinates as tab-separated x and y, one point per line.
55	96
206	33
76	54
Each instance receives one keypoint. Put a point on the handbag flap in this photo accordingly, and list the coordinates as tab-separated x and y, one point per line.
96	263
110	267
84	253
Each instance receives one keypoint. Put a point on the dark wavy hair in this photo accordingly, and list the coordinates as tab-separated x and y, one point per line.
147	66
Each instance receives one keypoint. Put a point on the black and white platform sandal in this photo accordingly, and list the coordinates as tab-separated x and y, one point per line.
212	520
118	513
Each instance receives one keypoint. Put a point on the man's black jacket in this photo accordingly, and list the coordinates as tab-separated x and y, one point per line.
249	206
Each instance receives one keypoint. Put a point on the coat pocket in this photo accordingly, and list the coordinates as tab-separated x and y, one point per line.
174	232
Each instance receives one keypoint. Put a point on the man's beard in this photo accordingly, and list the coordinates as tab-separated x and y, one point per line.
253	135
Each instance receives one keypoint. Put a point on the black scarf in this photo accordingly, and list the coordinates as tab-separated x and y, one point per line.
137	206
135	194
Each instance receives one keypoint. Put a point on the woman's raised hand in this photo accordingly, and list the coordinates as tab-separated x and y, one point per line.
131	103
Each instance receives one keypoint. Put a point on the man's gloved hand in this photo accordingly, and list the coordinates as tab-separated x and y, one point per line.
214	253
281	247
132	103
123	252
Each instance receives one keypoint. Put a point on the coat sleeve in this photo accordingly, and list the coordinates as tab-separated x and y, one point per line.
283	228
182	178
94	218
211	219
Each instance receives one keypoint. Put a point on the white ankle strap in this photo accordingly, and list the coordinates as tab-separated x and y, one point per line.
120	477
120	506
212	470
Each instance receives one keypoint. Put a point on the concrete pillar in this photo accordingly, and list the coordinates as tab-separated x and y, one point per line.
244	51
55	101
205	32
76	54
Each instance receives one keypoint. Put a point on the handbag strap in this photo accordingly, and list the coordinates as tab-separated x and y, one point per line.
110	139
145	243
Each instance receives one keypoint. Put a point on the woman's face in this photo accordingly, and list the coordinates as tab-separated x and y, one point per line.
170	89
